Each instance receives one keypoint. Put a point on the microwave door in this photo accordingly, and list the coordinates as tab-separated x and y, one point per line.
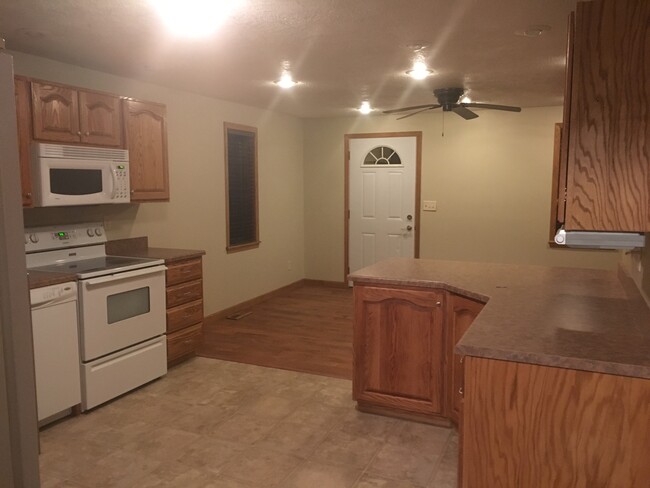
66	182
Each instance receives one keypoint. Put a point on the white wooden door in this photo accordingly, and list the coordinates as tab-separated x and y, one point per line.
382	199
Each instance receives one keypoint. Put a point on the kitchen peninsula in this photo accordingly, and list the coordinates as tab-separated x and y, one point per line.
556	384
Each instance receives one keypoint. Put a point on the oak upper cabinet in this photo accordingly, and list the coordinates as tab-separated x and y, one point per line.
606	123
461	312
68	115
146	140
399	350
24	121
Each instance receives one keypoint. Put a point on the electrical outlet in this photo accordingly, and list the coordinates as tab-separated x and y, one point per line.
429	205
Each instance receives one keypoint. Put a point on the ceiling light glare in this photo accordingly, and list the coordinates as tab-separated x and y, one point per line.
286	81
465	99
419	71
194	18
365	108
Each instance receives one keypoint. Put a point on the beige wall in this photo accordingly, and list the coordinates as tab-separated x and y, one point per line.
491	178
195	216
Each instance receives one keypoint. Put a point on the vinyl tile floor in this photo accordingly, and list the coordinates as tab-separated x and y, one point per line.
212	423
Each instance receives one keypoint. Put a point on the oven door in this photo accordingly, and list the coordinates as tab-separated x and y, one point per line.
120	310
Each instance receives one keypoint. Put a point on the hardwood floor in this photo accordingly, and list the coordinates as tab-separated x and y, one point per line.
307	329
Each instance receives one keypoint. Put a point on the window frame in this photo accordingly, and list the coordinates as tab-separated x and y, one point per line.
228	126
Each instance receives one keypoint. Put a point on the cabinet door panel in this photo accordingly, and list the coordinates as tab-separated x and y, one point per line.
146	135
100	119
461	313
55	113
24	136
399	348
608	156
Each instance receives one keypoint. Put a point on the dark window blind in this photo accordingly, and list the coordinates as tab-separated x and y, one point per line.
242	188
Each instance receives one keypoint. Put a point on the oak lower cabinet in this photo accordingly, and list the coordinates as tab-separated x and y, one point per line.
399	351
461	312
146	140
184	308
533	426
69	115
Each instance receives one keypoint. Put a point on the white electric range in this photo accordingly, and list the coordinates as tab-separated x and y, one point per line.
122	318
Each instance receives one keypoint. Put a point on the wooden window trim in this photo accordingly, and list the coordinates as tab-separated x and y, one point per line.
256	243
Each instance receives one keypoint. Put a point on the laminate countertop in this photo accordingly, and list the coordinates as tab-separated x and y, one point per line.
39	279
583	319
139	247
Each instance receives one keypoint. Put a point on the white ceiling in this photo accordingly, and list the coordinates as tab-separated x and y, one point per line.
343	50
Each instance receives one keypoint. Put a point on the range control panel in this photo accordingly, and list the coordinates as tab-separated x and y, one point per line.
62	236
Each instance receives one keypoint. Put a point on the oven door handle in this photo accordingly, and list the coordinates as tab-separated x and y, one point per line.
123	276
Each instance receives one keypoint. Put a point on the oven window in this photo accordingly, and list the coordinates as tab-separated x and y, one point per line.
75	181
125	305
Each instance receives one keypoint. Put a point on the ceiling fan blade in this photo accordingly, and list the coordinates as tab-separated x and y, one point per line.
507	108
465	113
430	107
406	109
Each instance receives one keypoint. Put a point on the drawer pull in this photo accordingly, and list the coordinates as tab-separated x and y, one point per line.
188	341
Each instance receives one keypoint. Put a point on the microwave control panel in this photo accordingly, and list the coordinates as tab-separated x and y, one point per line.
121	188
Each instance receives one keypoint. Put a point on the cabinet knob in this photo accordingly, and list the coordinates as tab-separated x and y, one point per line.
460	390
438	304
78	132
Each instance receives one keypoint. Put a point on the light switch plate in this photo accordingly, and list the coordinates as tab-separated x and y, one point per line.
429	205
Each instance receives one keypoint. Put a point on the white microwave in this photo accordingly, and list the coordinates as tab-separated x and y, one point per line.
79	175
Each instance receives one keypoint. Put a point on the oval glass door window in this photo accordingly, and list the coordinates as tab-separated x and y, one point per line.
382	156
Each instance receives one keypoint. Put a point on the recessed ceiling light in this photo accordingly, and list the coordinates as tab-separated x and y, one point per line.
419	71
533	31
286	81
194	18
365	107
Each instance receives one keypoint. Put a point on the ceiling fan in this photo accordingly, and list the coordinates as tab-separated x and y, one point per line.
449	100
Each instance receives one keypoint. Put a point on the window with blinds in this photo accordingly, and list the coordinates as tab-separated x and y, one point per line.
241	187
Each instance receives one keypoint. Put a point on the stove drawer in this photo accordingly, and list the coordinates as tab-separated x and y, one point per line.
184	315
183	343
184	271
184	293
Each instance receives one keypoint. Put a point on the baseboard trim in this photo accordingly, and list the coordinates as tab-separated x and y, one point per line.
330	284
222	314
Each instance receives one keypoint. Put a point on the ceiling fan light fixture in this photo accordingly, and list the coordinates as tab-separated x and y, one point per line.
419	71
286	81
466	99
365	107
194	18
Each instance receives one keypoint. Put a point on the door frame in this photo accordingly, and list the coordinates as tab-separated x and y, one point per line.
418	171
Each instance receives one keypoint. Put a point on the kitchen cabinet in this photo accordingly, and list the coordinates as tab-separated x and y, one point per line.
146	140
603	153
461	312
23	113
69	115
399	351
184	281
538	426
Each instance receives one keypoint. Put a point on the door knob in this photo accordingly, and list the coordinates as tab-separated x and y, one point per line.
409	217
409	227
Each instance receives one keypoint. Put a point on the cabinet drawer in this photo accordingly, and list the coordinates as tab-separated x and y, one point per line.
183	343
184	293
184	271
184	315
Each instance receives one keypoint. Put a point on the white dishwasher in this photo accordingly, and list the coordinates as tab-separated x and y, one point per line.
56	348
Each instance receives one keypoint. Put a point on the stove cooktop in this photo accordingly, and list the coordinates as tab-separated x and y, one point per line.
99	266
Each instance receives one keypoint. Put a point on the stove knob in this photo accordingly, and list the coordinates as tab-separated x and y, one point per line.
33	238
90	233
98	231
26	239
